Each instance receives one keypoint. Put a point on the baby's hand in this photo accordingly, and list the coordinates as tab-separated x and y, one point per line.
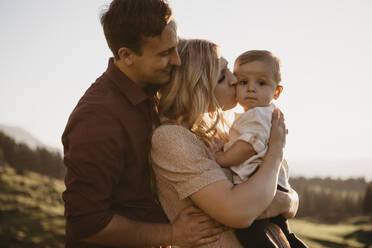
218	155
219	158
280	204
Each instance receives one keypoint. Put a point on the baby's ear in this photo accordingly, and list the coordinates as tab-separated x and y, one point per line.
278	91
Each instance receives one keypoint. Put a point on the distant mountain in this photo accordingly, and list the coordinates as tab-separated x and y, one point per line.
22	136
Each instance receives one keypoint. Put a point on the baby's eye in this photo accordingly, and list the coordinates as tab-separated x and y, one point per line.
262	83
243	82
221	79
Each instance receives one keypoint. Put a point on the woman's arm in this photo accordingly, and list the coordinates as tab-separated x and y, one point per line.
183	162
283	203
238	206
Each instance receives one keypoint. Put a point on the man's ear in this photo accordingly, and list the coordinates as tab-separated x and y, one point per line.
126	55
278	91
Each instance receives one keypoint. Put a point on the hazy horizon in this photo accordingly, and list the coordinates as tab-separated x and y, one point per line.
344	169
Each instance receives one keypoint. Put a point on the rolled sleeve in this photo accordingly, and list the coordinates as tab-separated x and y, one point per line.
92	157
181	159
253	127
253	139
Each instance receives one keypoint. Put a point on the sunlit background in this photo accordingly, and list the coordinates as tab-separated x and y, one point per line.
51	51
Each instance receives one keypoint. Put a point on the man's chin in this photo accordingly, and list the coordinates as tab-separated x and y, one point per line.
164	80
158	84
161	79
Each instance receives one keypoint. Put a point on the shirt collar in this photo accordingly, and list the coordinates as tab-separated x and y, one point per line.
126	86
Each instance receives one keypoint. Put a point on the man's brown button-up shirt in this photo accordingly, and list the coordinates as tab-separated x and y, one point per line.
106	149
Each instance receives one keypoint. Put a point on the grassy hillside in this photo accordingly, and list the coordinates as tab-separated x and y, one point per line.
356	232
31	210
31	215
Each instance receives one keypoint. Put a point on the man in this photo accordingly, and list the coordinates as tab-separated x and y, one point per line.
109	199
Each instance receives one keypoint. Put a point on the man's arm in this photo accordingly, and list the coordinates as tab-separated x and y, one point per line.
283	203
239	152
190	228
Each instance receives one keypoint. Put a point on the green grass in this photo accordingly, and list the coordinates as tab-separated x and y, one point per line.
356	232
31	210
31	215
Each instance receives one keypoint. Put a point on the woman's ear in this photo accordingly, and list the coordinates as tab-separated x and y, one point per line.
126	55
278	91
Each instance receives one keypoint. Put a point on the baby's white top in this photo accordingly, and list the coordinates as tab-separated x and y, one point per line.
253	126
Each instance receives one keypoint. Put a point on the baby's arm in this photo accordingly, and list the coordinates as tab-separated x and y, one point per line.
239	152
253	129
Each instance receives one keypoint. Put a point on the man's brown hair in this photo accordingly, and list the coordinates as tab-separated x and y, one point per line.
261	55
127	22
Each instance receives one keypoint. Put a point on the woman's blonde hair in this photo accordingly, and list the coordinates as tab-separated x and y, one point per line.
189	99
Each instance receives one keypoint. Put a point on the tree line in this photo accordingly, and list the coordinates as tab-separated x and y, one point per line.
21	157
333	200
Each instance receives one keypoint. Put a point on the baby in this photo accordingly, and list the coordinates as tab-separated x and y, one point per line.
258	75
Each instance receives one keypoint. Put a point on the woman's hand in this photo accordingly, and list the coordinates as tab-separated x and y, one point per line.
283	203
278	133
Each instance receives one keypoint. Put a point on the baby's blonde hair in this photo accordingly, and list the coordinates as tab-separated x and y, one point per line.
261	55
189	98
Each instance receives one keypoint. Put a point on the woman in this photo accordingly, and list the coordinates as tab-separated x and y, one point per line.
183	161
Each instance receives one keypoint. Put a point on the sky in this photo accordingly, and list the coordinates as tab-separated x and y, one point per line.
52	51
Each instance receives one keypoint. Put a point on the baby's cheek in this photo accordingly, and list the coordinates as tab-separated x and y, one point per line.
239	95
239	90
268	99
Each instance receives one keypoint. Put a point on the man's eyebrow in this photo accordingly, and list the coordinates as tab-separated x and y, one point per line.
167	50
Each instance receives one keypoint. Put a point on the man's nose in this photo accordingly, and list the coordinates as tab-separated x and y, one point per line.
175	58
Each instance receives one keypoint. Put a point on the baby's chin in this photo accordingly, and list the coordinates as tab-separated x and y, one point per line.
252	106
229	107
